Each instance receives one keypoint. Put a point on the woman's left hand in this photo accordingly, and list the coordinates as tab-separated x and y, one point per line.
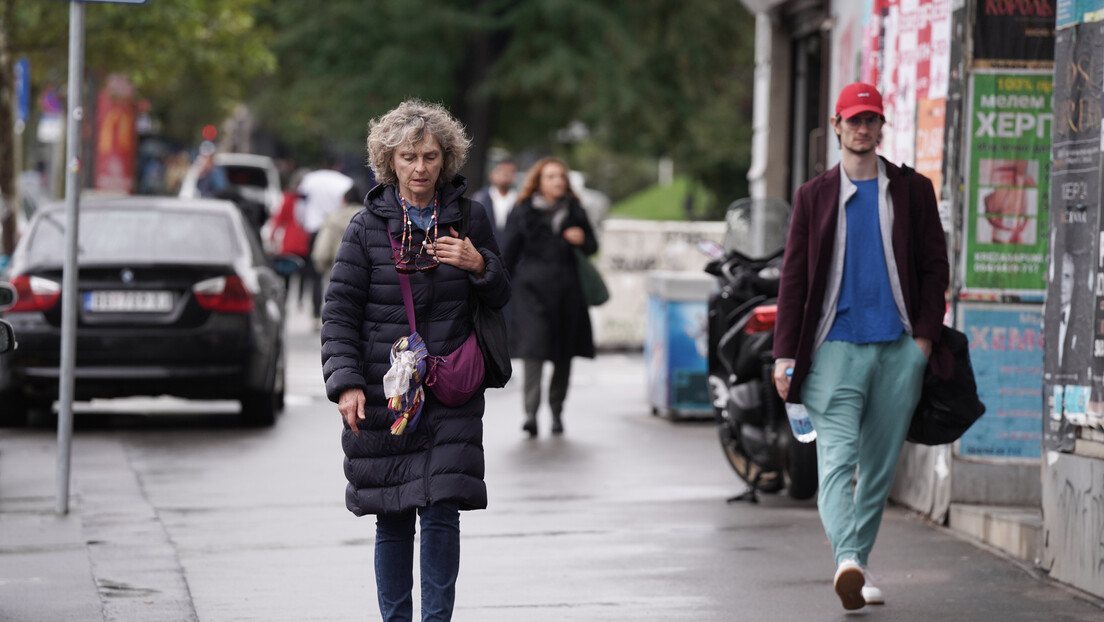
453	251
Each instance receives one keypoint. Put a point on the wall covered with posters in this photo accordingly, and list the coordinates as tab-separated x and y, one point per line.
906	54
1075	362
1073	494
973	81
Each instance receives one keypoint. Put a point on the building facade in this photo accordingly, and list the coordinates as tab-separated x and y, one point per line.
999	103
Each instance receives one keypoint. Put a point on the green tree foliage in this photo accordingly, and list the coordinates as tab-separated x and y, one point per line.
648	77
651	77
342	63
192	59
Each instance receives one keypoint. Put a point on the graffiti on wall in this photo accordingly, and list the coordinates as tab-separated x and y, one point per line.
1074	528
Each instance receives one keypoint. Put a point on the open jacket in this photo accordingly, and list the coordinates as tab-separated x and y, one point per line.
442	459
919	248
550	320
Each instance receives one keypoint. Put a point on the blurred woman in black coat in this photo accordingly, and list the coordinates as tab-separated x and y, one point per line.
433	468
550	320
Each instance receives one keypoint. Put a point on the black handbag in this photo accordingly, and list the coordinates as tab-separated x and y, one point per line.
595	292
489	324
947	408
490	332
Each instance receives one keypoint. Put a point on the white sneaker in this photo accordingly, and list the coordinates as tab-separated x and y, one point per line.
849	583
871	594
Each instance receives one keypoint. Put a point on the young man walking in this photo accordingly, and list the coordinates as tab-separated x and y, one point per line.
860	304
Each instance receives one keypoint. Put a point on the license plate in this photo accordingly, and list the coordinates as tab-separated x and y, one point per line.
128	301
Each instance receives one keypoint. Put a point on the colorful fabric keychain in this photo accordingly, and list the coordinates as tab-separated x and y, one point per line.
402	384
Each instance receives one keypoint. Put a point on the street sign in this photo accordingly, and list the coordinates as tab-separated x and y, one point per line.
22	89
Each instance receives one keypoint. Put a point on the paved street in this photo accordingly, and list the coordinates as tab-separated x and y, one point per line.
187	516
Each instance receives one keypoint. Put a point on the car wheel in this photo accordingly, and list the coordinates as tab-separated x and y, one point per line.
259	408
280	380
13	409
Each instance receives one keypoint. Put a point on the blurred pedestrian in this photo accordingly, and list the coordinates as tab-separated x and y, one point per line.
321	192
549	318
498	197
286	235
175	172
434	467
324	253
860	308
211	180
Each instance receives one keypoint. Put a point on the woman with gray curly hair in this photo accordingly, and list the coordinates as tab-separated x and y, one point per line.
397	303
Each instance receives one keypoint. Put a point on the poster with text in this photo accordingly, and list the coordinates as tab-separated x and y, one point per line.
910	44
930	124
1014	34
116	138
1006	352
1008	185
1073	12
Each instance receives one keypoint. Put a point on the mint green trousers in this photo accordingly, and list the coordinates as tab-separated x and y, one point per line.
860	398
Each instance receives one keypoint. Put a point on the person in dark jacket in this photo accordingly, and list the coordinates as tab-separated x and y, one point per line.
549	318
860	309
434	467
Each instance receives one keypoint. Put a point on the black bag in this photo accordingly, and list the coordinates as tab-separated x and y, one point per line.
595	292
490	332
489	324
947	408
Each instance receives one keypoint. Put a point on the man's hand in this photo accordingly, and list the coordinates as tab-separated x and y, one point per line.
460	253
351	407
781	380
925	345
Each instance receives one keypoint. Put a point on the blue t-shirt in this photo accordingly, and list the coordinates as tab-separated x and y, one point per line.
866	312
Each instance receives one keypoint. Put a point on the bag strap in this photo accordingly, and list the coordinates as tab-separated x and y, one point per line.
465	217
404	285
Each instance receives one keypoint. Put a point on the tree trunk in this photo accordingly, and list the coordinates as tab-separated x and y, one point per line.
8	193
475	110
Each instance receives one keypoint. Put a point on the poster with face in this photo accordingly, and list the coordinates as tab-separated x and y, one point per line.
1074	361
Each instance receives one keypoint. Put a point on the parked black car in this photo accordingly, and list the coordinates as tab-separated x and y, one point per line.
177	297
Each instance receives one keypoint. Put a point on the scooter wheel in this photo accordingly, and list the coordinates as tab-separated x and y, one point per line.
746	469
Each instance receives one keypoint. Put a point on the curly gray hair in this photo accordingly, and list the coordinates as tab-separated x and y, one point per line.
407	125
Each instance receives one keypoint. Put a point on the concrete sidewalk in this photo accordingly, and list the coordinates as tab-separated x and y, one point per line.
623	518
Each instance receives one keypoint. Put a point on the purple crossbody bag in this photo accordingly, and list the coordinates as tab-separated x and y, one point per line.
453	378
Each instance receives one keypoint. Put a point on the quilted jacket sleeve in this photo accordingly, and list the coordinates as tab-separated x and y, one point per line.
343	312
494	287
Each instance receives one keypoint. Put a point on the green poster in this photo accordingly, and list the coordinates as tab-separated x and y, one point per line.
1008	187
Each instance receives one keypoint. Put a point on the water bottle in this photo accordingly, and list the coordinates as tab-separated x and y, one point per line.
800	423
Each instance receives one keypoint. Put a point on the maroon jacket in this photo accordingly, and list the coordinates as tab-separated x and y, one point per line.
919	247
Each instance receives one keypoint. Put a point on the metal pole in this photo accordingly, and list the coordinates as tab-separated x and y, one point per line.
69	276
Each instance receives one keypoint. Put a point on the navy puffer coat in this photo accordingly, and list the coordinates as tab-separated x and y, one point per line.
362	317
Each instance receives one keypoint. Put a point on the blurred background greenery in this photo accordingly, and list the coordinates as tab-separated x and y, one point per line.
612	86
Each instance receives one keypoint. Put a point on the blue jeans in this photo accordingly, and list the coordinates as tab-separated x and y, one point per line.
440	562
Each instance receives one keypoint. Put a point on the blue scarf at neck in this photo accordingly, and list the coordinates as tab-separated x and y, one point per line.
420	216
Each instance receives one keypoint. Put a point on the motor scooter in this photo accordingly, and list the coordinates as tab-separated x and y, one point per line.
751	420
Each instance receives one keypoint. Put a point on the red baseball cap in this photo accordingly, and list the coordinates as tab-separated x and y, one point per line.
858	97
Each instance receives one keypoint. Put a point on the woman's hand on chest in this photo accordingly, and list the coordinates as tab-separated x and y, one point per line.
454	251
